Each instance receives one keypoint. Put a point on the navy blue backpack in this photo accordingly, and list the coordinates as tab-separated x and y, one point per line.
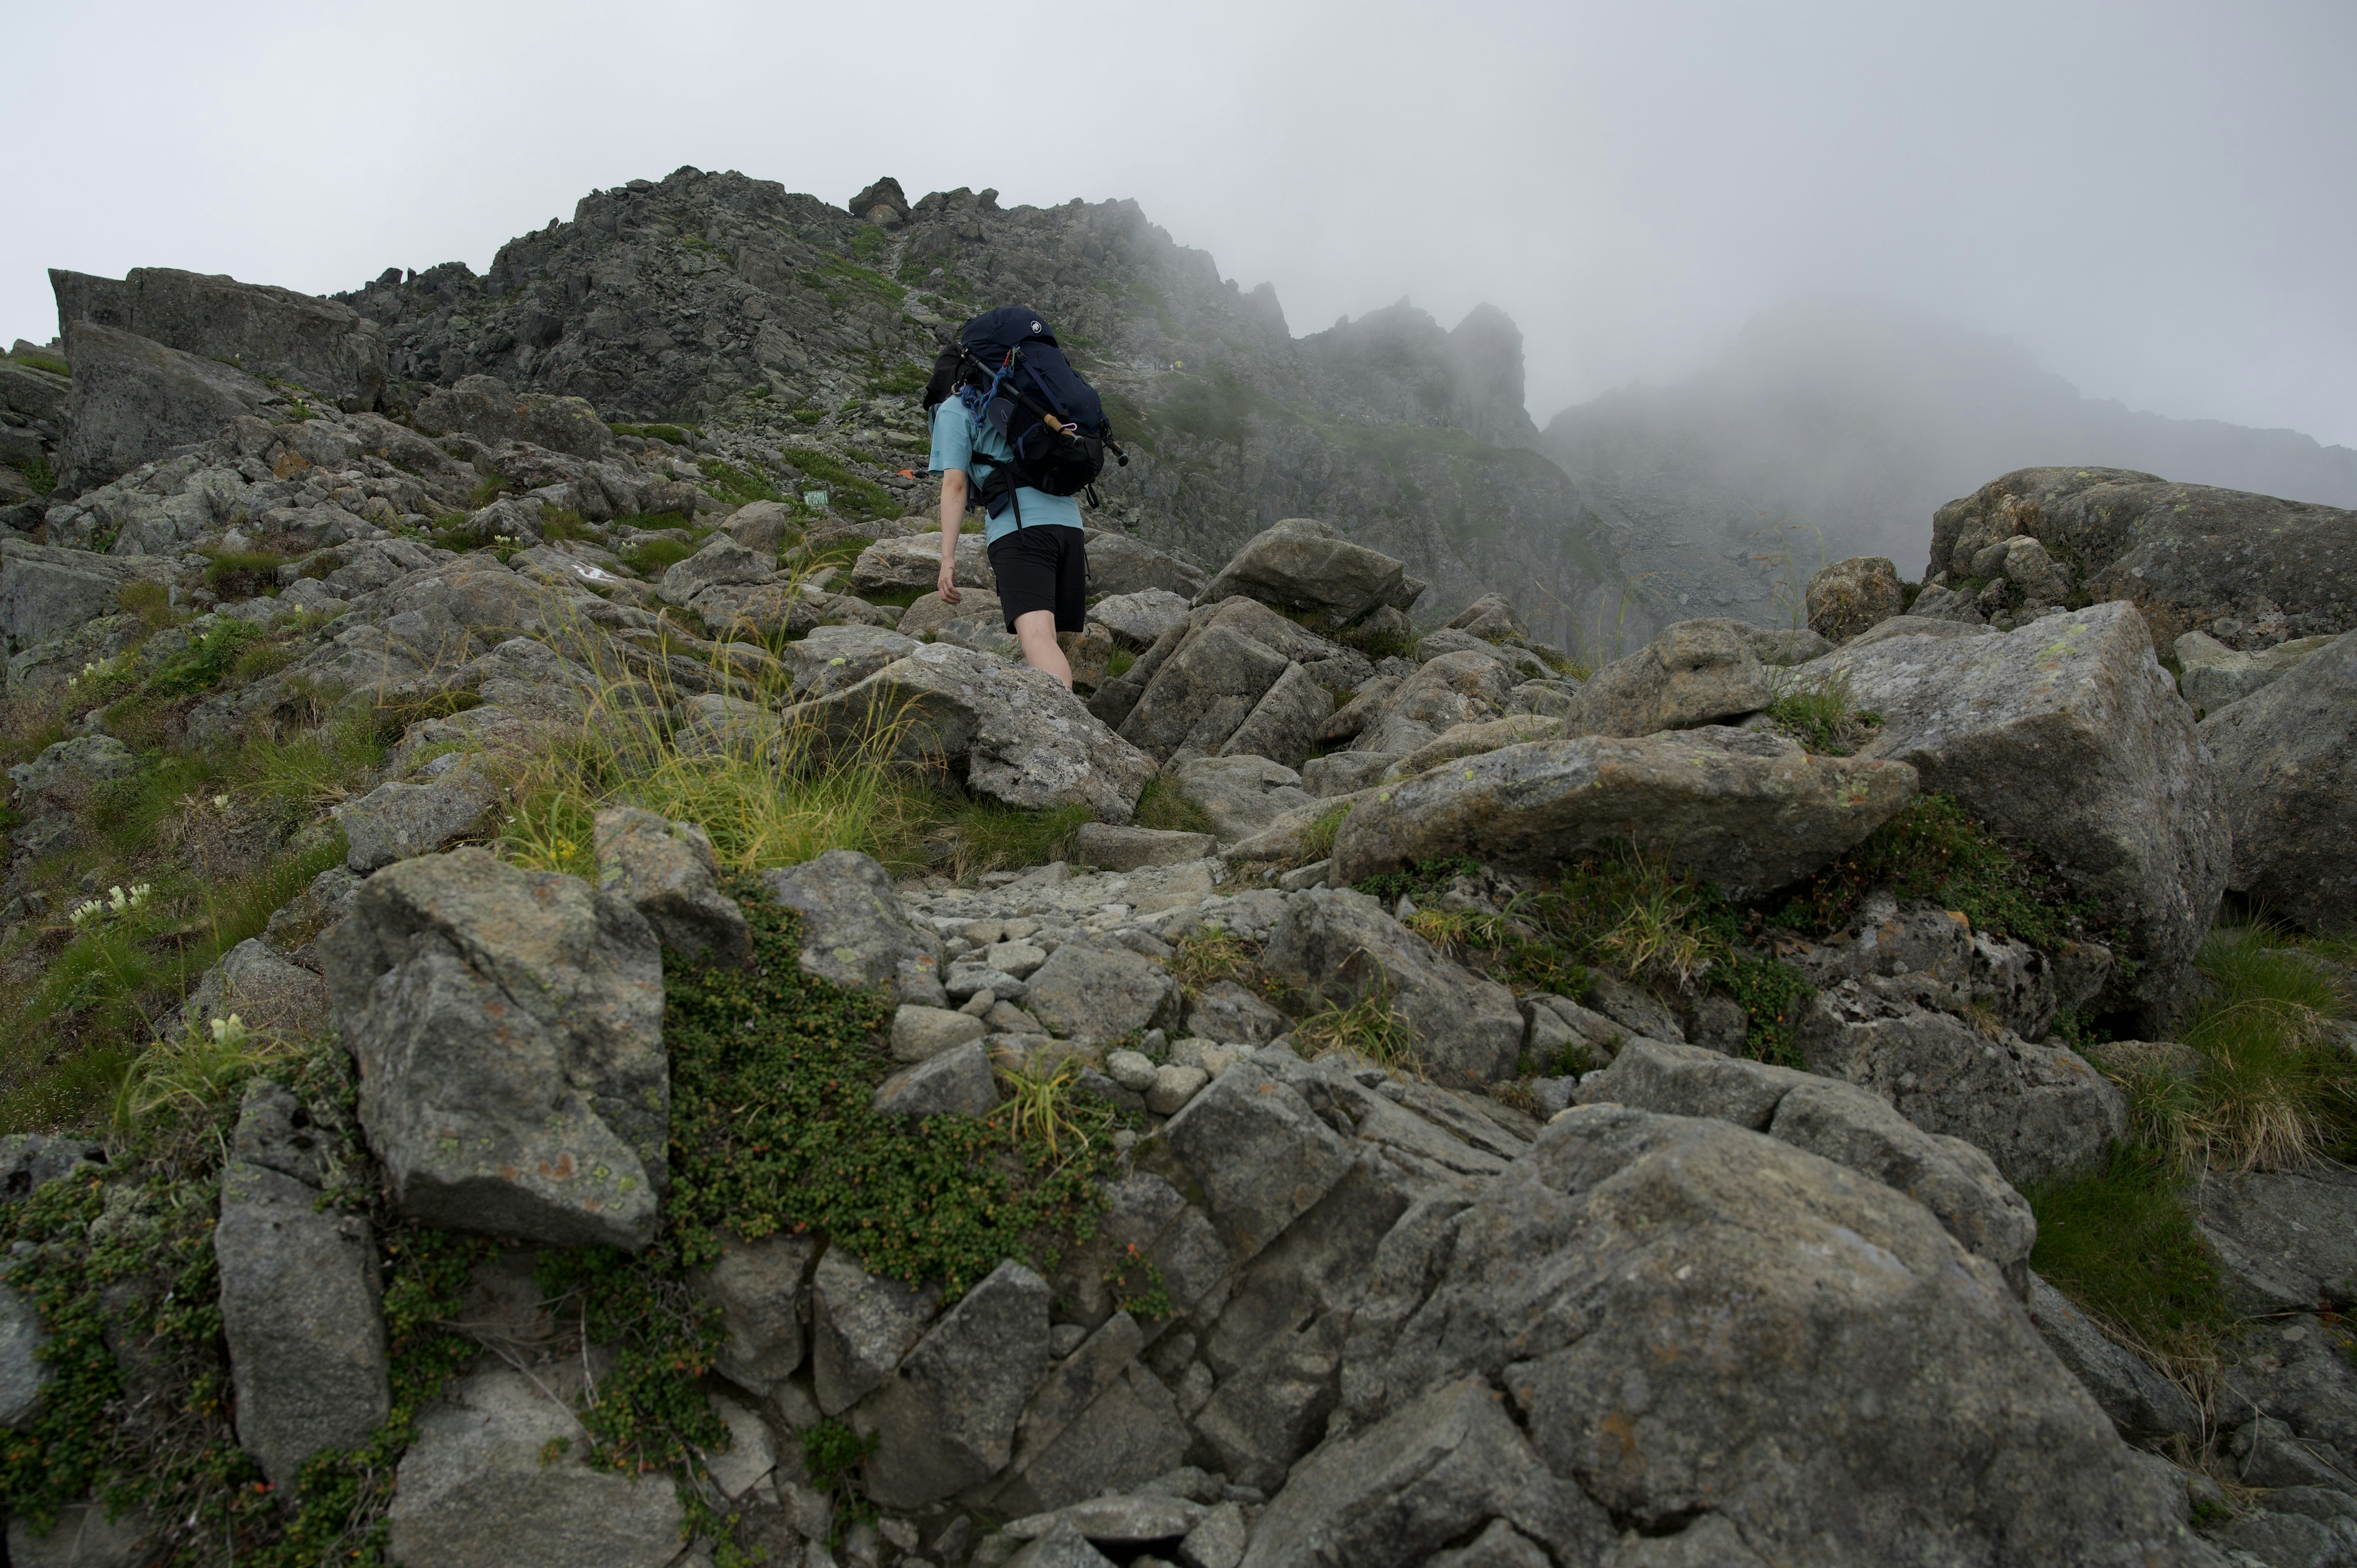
1029	393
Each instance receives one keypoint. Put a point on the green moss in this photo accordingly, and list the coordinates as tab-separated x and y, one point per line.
1936	850
651	558
867	244
242	574
207	662
39	361
1163	805
733	485
38	473
850	494
845	284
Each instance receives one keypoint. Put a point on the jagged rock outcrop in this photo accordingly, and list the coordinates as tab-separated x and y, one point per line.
320	344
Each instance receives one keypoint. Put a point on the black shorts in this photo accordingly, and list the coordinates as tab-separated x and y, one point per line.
1045	567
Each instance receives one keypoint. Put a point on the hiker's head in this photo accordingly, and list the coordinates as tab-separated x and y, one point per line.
945	377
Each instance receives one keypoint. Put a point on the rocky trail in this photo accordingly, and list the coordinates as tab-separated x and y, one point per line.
568	1010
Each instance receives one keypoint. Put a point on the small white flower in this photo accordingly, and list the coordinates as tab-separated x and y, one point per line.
221	802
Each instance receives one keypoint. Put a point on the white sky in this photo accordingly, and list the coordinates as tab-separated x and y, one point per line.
2156	198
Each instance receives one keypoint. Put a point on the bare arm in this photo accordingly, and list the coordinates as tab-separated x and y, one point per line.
952	516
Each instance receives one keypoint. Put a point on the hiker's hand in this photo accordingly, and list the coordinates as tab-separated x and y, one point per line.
947	583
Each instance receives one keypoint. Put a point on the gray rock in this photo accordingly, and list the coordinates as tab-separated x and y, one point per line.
916	562
833	657
396	821
763	527
1744	809
968	981
1941	960
1846	597
1919	623
954	1082
262	990
1635	1009
920	1034
498	1478
855	930
722	563
1696	672
1088	991
1436	1471
24	1377
946	1421
2066	735
1018	959
2213	675
321	345
1302	564
1838	1121
2267	1453
2287	1239
2040	1112
30	1161
1062	1547
1229	1014
1140	618
1217	1541
299	1309
2140	1401
861	1324
561	1137
1115	1427
2286	759
1018	735
1474	739
84	1537
1202	693
1120	1520
1492	617
1257	1151
2297	1370
1661	1297
46	591
761	1288
134	399
1109	848
1273	1410
1454	688
1174	1085
1344	772
2291	1540
667	871
1283	726
1244	796
1122	565
1341	945
485	408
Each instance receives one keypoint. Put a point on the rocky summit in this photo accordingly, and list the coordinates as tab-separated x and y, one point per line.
569	1008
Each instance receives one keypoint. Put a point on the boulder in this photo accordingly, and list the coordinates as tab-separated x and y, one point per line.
2191	557
2288	1239
945	1421
1202	693
1017	735
46	591
1472	740
266	993
1942	961
1747	809
2066	735
1255	1150
763	527
833	657
921	1033
298	1296
1444	692
1698	1323
486	409
1119	564
561	1136
498	1476
915	562
762	1289
954	1082
1283	726
1138	618
2211	675
1840	1121
667	871
1109	848
722	563
861	1324
1491	618
2141	1402
855	930
1231	1015
1243	795
1846	597
932	613
1695	672
2287	770
323	346
2040	1112
1088	991
1302	564
1340	946
134	399
397	821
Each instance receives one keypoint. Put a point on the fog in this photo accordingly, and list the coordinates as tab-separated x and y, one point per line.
2153	201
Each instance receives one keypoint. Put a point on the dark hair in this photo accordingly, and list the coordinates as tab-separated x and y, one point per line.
948	376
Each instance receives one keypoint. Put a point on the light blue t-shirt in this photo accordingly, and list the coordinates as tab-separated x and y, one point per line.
955	441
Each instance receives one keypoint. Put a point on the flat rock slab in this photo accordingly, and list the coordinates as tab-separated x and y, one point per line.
855	930
1109	848
1243	795
1303	563
1090	992
2288	1238
1744	809
953	1082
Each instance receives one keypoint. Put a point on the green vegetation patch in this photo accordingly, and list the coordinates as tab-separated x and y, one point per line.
1822	716
1936	851
993	836
733	485
772	1075
849	494
38	473
2121	1243
1164	806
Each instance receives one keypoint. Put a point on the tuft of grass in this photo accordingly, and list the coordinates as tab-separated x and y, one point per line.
651	558
205	1066
2121	1243
150	601
734	484
1317	838
1936	850
1824	716
992	837
1119	662
242	574
1163	805
1038	1108
1208	955
1369	1026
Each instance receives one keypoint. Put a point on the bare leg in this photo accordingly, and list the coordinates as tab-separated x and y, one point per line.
1036	630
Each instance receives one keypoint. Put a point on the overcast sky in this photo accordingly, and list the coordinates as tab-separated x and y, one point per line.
2157	198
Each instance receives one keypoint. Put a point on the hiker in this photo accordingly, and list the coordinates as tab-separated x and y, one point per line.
1004	402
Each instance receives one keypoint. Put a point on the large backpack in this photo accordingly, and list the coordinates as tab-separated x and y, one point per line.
1051	419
